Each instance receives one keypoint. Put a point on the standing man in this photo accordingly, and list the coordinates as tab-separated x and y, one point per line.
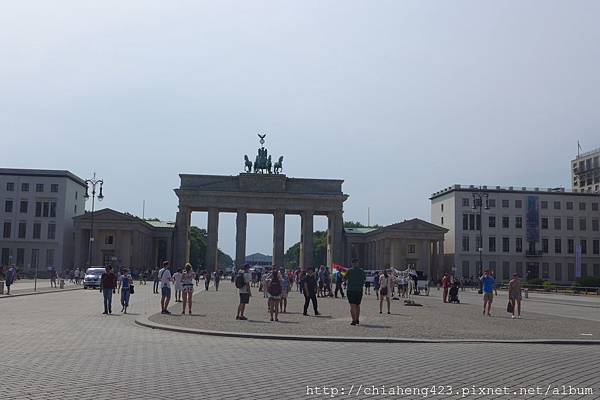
355	280
242	282
338	284
310	291
487	287
445	286
164	276
154	277
76	276
10	277
108	283
217	279
206	280
52	274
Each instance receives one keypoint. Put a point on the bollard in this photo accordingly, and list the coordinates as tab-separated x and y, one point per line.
1	287
61	283
526	293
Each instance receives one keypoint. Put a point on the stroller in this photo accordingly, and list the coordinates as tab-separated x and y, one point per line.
453	294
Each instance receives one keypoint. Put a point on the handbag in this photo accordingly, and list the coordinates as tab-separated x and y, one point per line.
131	289
509	308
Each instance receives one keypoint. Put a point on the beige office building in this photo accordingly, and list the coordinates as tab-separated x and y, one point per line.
585	172
540	233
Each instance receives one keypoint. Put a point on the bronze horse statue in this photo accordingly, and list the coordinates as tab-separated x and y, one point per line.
278	165
247	164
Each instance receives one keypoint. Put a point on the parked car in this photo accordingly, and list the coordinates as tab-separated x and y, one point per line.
92	277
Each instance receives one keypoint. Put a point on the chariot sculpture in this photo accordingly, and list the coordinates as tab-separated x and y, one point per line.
263	162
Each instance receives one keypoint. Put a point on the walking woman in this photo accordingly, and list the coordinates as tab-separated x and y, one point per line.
385	289
274	290
187	279
125	283
514	295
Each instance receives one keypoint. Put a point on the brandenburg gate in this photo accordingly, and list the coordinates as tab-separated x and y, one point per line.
263	191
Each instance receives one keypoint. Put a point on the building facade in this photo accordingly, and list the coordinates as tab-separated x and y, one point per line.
550	234
36	213
122	240
585	172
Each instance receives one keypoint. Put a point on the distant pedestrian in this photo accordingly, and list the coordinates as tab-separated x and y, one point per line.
10	277
310	291
376	284
217	280
164	275
487	281
198	277
368	285
124	287
355	279
274	289
242	283
178	285
76	275
206	280
108	284
339	284
154	276
285	288
187	281
445	286
52	273
385	289
514	295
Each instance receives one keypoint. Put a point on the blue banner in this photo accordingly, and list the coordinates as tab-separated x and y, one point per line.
533	219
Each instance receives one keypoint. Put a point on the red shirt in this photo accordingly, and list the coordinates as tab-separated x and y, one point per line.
445	282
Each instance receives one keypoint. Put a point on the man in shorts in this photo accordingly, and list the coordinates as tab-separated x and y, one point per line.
164	276
355	280
487	286
244	292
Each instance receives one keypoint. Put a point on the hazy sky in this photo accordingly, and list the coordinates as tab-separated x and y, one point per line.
398	98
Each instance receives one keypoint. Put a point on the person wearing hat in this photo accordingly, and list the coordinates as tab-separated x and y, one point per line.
242	282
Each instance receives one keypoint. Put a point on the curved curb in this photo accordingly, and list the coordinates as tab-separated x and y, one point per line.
145	322
10	296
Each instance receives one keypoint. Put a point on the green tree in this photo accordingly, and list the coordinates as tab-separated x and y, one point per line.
292	255
198	241
356	224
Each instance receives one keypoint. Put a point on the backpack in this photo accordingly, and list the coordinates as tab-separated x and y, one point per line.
240	281
275	287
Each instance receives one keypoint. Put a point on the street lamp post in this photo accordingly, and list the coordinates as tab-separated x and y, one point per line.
478	203
93	183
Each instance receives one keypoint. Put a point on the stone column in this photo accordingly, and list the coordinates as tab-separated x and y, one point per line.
425	257
182	237
213	239
387	253
435	267
306	239
278	237
335	245
241	223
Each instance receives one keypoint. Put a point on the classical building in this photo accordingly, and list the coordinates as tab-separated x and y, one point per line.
259	259
540	233
585	172
36	212
122	240
413	242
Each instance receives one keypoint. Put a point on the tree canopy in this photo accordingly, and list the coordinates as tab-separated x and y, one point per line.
198	241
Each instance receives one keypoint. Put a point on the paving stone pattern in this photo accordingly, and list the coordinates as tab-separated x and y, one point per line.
59	346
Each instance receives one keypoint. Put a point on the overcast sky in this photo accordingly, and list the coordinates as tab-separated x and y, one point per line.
398	98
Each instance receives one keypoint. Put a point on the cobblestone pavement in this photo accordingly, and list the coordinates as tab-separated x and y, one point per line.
59	346
25	286
435	320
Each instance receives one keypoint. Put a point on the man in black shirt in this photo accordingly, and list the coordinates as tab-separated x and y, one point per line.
310	291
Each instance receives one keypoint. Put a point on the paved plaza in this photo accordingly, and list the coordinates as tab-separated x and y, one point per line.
28	286
60	346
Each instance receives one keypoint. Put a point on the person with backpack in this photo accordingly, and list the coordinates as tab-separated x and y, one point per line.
10	277
274	290
242	283
310	291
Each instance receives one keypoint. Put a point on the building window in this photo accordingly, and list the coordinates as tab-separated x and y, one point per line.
582	224
492	203
584	270
37	230
39	187
75	209
570	246
519	268
465	202
10	186
54	188
595	225
492	244
5	259
50	258
544	223
442	220
596	246
51	231
35	258
581	206
545	270
544	245
558	246
108	239
505	204
478	244
597	270
23	207
492	221
22	230
465	243
519	204
53	210
544	204
38	209
569	205
519	245
558	272
465	269
569	224
442	205
505	245
518	222
505	222
7	230
20	257
412	248
557	205
594	206
8	206
557	225
570	271
583	244
505	270
465	222
24	187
